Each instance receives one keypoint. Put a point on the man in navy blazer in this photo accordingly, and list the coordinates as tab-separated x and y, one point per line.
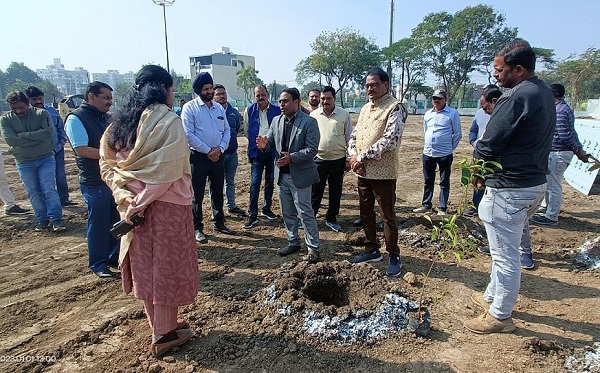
295	137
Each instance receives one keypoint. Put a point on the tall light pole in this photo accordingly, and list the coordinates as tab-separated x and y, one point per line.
389	62
165	4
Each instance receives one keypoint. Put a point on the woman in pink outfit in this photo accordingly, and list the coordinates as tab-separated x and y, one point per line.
145	161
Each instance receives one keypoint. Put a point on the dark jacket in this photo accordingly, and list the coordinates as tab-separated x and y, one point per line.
519	136
254	125
95	123
233	118
302	146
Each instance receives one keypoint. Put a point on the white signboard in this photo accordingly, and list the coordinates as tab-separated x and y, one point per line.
578	174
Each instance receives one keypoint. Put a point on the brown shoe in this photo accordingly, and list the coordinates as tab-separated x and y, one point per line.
486	324
477	298
168	341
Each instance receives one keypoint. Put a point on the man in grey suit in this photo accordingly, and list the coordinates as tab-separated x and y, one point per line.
295	137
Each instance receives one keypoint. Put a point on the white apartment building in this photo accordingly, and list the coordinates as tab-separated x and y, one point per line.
222	66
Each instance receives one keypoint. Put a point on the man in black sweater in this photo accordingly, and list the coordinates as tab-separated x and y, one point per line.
518	136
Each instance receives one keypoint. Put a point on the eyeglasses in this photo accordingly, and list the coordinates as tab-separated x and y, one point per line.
436	98
373	85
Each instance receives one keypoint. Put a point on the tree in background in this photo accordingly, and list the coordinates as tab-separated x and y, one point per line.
308	86
576	71
247	78
457	44
408	57
275	90
20	77
120	94
340	56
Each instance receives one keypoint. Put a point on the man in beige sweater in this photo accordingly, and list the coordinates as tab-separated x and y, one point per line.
335	128
373	150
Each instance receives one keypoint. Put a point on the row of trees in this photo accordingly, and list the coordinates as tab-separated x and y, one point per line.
18	76
449	46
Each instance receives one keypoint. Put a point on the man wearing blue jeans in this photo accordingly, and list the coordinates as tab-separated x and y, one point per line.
565	144
257	121
85	127
28	133
231	156
59	137
518	136
441	126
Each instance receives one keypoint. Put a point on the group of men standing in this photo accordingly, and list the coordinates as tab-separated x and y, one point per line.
303	149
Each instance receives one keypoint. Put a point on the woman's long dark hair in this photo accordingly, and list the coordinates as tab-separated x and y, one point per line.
151	85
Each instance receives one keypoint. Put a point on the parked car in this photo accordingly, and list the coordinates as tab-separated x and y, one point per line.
68	104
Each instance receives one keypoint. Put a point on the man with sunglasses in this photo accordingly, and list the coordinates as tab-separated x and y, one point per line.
442	130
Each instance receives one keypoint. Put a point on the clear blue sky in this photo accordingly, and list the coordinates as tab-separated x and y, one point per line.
125	34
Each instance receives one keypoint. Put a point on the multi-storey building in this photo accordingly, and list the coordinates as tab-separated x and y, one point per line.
69	82
223	67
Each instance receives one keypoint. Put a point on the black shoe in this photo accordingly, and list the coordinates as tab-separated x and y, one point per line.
237	211
221	227
108	274
16	210
68	203
313	256
42	226
357	223
200	237
250	222
289	249
268	214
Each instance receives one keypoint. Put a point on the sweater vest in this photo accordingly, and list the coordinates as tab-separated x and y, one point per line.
95	124
369	129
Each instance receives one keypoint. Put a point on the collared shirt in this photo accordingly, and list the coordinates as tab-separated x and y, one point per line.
262	117
205	127
565	137
480	121
442	131
388	141
335	130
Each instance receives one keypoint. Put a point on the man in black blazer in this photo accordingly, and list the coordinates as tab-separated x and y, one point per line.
295	137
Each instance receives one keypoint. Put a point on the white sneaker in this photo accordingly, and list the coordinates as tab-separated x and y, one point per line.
422	209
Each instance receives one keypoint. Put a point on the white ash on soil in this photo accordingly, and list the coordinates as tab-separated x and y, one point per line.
588	361
588	254
338	301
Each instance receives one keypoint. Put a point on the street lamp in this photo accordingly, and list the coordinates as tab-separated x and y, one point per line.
164	4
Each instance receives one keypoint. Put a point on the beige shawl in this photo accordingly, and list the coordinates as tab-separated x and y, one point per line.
160	155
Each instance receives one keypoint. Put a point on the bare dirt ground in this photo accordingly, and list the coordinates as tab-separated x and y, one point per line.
56	316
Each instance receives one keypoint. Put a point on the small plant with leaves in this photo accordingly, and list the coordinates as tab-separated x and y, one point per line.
448	231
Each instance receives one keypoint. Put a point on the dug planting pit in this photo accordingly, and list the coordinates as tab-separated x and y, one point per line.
337	301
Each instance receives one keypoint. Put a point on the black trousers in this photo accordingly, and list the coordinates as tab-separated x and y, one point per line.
332	173
203	168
